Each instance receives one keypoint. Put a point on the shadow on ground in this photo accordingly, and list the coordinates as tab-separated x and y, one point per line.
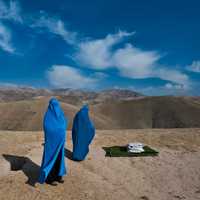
68	154
29	168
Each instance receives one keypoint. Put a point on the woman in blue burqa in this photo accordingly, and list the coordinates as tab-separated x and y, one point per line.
83	132
53	163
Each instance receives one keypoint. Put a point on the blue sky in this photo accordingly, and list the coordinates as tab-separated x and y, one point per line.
149	46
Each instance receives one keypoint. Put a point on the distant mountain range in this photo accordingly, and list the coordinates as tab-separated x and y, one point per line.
75	97
23	108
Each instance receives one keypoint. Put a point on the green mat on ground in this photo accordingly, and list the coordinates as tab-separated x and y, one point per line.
121	151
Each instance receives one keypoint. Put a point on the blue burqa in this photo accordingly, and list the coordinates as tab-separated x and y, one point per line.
83	132
55	126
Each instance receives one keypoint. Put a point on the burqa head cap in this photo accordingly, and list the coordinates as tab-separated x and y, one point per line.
55	106
54	101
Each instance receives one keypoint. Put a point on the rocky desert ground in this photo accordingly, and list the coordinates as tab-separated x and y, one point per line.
173	175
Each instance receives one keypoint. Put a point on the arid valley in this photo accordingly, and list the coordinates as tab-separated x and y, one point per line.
173	174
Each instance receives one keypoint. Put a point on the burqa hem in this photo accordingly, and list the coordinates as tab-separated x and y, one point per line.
46	170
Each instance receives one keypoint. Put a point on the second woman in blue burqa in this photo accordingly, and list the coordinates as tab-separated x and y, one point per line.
83	132
53	163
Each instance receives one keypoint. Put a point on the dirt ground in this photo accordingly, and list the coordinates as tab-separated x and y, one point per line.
174	174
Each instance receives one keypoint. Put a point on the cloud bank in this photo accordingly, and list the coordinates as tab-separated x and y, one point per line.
61	76
103	54
113	51
130	61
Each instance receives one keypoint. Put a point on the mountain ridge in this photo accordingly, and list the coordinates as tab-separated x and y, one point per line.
73	96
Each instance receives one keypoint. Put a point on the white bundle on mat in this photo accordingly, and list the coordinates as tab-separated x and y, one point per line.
135	147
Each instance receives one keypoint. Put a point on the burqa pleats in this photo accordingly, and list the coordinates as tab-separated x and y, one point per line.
83	132
55	125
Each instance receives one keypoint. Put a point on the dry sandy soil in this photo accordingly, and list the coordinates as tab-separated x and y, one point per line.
174	174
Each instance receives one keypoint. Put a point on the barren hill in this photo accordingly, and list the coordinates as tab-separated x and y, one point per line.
28	115
145	112
153	112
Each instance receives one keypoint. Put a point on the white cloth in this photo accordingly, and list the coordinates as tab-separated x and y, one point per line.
135	147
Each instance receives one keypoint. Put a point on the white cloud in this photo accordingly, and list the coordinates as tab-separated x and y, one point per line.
10	11
174	86
97	53
172	75
111	52
5	39
133	62
194	67
55	26
61	76
167	89
130	61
